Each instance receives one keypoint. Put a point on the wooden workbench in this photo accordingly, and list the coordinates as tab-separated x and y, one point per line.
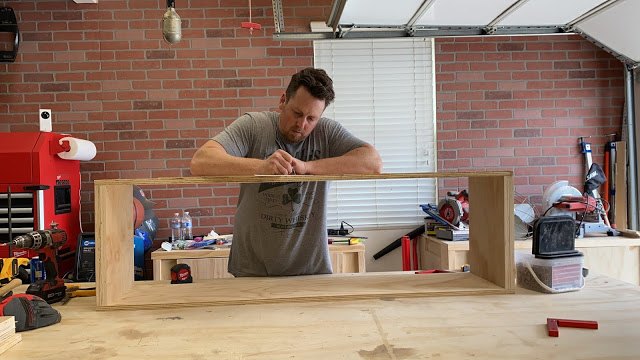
615	256
461	327
212	264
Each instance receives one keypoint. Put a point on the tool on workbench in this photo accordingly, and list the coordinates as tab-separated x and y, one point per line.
588	211
5	290
553	324
450	214
30	312
556	266
11	268
76	291
350	240
12	274
47	242
181	274
595	177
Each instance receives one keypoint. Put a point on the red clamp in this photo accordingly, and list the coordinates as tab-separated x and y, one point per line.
553	324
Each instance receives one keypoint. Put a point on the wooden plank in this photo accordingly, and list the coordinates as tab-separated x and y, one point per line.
621	185
8	336
214	268
224	252
7	324
362	262
334	287
162	268
9	342
491	229
295	178
114	242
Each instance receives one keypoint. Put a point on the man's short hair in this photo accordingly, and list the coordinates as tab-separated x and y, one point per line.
316	81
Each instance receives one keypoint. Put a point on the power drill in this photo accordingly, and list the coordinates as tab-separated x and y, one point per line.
51	289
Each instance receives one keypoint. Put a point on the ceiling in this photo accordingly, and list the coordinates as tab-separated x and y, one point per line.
611	24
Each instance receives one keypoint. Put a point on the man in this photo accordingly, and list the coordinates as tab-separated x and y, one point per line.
280	228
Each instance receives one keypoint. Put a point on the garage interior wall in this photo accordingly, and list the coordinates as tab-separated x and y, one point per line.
513	103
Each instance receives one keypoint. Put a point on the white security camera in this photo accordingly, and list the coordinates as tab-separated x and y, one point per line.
45	120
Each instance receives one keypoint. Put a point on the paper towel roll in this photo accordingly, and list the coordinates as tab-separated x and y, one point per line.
80	149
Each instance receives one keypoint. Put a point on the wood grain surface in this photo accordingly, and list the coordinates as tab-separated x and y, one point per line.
504	327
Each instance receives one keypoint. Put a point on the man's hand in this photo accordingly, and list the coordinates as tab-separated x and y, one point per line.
299	167
281	163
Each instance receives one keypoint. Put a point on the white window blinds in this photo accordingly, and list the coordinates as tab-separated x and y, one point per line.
385	96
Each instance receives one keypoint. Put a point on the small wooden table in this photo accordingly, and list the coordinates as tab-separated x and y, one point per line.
614	256
212	264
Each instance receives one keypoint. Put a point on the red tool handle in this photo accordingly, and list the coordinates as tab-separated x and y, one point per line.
406	253
415	255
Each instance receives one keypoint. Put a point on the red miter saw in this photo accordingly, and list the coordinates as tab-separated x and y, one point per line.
562	199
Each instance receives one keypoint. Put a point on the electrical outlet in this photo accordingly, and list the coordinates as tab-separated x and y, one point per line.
45	120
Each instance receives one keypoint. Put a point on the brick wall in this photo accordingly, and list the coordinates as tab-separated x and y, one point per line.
104	70
521	103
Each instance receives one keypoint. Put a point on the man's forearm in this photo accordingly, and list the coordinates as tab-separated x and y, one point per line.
224	165
212	160
363	160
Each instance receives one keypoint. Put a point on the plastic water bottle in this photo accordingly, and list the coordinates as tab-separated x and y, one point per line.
187	227
176	233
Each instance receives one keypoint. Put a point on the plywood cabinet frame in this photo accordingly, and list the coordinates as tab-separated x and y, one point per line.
490	254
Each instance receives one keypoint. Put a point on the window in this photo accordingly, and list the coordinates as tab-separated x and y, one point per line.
385	96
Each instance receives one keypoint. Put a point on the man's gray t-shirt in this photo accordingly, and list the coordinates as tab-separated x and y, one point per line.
280	228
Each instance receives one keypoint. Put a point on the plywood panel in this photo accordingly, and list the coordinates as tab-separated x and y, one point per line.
618	262
491	229
114	242
334	287
505	327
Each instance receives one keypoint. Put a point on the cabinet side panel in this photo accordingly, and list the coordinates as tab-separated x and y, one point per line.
114	242
491	229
